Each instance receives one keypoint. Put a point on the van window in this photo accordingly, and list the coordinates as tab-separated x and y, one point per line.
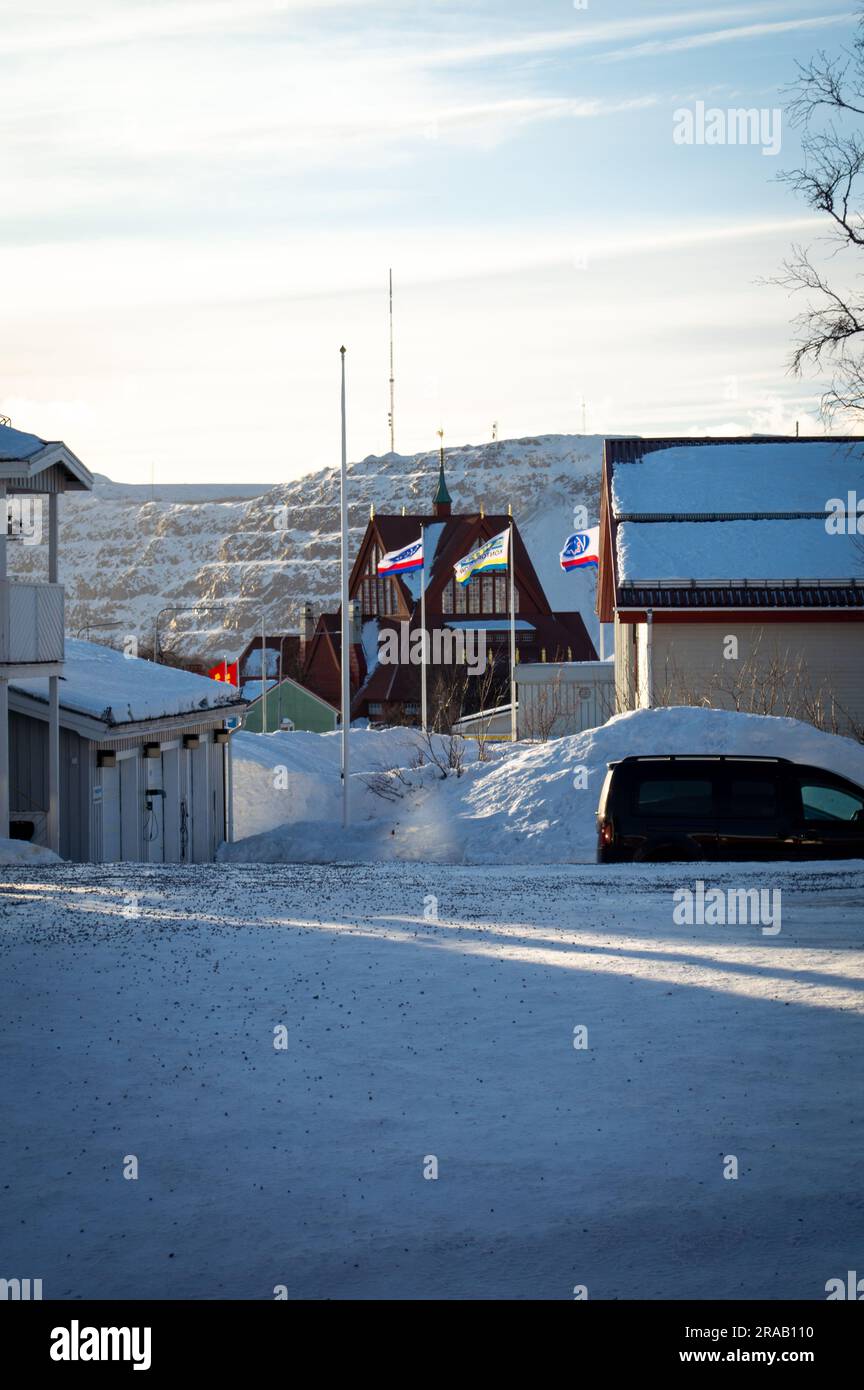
753	798
674	796
822	802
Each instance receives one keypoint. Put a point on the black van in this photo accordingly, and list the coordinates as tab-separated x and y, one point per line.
687	807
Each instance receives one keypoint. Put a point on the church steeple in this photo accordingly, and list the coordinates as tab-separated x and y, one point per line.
442	502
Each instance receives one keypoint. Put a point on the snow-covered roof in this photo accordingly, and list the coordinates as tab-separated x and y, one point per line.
115	689
15	445
489	624
738	477
252	664
721	550
26	455
251	690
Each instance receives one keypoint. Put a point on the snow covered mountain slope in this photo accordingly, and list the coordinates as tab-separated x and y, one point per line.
129	551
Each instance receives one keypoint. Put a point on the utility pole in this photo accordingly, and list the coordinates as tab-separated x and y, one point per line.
344	651
263	675
392	379
511	565
423	651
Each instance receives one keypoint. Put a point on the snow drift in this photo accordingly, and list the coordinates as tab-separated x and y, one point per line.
525	806
22	852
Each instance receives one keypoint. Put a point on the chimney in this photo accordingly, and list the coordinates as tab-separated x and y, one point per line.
307	629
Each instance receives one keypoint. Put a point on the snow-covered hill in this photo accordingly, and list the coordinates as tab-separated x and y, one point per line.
129	551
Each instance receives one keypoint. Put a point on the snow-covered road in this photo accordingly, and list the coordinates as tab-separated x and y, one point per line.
429	1011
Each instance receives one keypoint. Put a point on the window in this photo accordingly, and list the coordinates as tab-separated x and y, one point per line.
447	597
502	603
674	796
824	802
753	798
461	598
474	594
488	594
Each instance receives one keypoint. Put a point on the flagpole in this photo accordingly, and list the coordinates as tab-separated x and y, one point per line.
423	627
345	657
263	686
511	567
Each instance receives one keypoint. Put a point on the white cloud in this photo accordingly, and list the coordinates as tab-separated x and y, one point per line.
688	42
113	24
82	276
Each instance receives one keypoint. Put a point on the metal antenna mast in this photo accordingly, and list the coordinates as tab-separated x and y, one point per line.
392	401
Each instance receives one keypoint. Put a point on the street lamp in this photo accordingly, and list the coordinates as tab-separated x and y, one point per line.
176	608
89	626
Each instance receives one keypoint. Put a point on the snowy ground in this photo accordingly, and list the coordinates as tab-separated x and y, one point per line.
138	1016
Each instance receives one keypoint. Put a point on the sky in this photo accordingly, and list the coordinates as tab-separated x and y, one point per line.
200	202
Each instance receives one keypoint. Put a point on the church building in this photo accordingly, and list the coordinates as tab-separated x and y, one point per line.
390	691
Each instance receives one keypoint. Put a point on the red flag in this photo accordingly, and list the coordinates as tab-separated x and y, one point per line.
227	671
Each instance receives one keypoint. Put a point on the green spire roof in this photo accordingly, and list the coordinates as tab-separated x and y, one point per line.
442	495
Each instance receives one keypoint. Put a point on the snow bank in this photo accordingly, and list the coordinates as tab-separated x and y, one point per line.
22	852
524	806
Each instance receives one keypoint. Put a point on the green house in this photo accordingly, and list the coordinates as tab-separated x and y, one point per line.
288	700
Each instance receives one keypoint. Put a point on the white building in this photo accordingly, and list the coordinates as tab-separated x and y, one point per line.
102	757
733	571
32	614
145	759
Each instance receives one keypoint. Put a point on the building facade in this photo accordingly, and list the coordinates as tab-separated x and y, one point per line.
34	473
144	760
734	575
390	691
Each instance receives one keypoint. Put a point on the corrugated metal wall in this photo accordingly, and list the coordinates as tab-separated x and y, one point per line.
625	679
28	758
194	780
561	705
76	795
28	763
785	668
